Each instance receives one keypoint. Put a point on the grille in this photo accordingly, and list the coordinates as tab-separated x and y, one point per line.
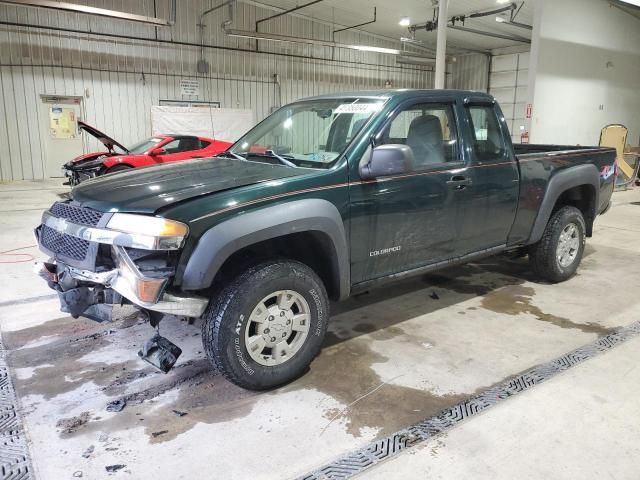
75	214
66	245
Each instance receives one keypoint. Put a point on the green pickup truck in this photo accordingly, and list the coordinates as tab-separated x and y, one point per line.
327	197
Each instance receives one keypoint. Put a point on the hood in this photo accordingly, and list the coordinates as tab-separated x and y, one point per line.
87	157
106	140
145	190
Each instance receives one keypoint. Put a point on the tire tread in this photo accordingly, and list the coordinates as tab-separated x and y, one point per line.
214	316
542	254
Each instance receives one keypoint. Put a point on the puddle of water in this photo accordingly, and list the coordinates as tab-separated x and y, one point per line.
343	371
516	299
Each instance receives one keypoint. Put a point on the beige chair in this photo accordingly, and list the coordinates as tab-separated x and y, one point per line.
615	136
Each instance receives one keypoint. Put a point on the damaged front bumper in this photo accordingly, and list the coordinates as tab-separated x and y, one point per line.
101	259
92	294
78	174
95	266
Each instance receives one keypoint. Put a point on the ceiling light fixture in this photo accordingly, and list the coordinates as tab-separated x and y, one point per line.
502	1
369	48
501	19
404	22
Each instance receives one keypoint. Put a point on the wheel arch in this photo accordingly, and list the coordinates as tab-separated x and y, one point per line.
111	165
309	230
578	186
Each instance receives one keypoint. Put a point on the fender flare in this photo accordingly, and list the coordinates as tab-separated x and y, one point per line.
221	241
561	182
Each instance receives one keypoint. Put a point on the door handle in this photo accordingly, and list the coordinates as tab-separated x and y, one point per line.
459	182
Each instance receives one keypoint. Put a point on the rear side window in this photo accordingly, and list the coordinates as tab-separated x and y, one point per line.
429	129
488	141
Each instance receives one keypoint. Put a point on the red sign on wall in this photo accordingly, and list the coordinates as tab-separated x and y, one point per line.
529	110
524	137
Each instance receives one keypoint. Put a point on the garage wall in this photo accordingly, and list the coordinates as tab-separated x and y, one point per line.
586	66
508	84
469	72
120	78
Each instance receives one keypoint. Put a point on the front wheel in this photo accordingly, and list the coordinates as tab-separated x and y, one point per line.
268	325
558	253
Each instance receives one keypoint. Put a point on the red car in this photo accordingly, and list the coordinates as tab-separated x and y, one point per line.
152	151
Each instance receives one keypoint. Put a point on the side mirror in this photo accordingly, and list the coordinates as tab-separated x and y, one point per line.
158	151
388	160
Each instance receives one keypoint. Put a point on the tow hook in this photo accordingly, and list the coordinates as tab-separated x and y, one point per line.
158	350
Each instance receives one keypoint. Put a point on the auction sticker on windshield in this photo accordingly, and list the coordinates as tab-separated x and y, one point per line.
358	108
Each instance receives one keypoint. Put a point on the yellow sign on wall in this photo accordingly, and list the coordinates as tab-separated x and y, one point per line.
62	122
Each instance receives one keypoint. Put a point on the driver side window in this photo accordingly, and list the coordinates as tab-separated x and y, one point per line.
429	129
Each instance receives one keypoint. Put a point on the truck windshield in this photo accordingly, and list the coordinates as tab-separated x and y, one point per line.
310	133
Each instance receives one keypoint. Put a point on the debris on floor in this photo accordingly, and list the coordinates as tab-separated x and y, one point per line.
435	296
157	434
114	468
87	453
116	405
70	425
179	413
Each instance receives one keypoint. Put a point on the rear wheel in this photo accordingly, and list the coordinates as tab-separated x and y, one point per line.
558	253
267	326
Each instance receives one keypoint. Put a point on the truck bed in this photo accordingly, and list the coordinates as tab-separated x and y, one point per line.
538	164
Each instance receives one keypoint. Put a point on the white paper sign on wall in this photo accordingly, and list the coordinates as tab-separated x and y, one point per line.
189	86
220	123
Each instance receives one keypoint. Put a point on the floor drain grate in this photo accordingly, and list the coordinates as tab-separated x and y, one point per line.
366	457
14	453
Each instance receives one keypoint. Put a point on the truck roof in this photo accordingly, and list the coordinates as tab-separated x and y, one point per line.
402	92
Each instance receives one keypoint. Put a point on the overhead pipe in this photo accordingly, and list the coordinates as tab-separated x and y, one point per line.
504	36
213	9
333	34
167	42
202	65
518	24
232	32
375	15
101	12
324	43
435	24
284	12
485	13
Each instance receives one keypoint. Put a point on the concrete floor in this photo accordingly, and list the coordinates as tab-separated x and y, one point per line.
392	358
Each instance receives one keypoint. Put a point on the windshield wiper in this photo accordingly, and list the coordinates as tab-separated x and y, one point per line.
283	160
272	154
232	155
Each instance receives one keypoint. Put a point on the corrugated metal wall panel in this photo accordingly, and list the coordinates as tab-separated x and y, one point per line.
120	79
469	72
